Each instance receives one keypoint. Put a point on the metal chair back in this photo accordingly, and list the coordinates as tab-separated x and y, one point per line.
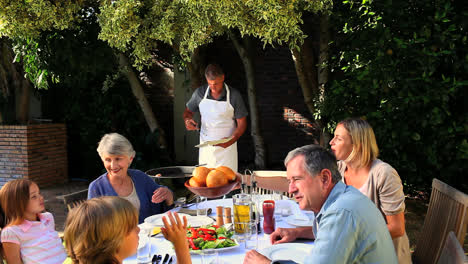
74	199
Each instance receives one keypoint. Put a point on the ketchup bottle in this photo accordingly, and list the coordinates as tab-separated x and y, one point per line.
268	219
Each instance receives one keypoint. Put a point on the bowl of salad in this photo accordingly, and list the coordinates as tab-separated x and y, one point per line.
212	236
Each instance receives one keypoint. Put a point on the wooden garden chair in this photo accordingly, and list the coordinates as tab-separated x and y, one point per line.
74	199
452	253
447	212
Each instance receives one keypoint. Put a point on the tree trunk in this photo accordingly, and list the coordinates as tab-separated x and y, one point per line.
138	92
306	70
196	67
323	55
12	82
244	50
323	70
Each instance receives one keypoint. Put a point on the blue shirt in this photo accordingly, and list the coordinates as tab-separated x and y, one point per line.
144	186
350	229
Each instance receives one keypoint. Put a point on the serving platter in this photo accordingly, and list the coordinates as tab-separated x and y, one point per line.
217	249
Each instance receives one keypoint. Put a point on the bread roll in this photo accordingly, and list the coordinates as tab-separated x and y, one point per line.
200	174
230	174
216	178
193	182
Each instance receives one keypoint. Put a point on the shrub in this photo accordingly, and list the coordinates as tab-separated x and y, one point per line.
402	65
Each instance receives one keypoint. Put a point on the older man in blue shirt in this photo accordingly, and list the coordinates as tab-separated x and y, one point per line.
348	227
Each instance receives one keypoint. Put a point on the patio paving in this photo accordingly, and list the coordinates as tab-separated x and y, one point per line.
54	202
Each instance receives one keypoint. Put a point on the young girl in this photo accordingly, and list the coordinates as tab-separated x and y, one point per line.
28	235
102	230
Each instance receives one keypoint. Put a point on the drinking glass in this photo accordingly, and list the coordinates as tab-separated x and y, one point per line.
144	244
201	206
277	196
180	201
242	211
251	235
209	256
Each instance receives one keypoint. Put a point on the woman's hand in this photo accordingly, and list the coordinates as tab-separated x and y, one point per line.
163	194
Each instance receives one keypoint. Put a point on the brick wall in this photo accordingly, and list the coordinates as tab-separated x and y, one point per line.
285	121
35	152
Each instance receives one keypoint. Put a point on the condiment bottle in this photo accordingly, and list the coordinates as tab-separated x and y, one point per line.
219	216
268	219
227	215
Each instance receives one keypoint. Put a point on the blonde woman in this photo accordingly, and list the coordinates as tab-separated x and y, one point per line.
147	196
102	230
356	150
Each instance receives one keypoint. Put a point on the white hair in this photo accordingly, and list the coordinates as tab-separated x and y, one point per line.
115	144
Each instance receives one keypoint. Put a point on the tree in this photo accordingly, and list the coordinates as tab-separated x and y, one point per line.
14	88
401	65
136	27
28	21
188	25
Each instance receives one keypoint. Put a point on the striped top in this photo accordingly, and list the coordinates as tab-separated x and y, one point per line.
38	240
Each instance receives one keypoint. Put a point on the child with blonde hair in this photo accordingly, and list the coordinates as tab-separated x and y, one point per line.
102	230
27	232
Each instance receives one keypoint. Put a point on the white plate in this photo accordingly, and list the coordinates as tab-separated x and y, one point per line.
217	249
300	222
213	142
193	221
288	251
197	221
156	220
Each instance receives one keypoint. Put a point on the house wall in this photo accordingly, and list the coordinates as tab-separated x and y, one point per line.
35	152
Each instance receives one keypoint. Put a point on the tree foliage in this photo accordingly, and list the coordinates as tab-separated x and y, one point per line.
402	65
29	18
137	26
92	98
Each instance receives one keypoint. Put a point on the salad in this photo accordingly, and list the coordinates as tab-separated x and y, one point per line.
211	236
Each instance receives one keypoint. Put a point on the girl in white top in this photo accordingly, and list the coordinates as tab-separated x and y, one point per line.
28	234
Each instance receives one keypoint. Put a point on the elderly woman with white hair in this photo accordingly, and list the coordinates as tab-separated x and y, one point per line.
135	186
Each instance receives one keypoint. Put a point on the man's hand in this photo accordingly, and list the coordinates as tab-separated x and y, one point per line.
226	144
283	235
254	257
190	124
162	194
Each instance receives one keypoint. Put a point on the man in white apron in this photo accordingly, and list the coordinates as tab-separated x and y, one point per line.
223	115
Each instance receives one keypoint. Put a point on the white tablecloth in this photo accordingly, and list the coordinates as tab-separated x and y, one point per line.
232	256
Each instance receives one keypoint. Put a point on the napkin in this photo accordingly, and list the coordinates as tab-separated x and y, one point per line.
298	214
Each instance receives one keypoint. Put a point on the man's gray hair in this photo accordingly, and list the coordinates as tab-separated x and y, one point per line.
316	159
213	71
115	144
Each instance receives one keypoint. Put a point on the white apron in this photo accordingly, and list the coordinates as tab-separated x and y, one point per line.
217	118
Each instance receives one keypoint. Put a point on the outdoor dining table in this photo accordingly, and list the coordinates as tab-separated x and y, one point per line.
226	256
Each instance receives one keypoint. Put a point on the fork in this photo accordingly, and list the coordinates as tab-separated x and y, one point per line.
167	259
